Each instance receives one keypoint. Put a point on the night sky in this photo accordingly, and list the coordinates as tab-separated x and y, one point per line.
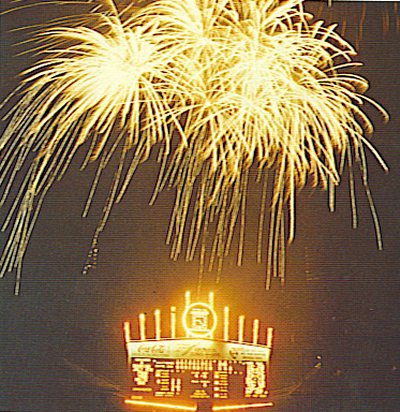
61	339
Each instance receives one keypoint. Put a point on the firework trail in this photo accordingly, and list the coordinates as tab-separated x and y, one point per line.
221	86
107	84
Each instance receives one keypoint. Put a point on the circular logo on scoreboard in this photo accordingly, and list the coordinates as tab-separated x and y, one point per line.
199	320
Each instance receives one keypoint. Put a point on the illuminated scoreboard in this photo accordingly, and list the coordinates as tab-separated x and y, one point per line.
198	368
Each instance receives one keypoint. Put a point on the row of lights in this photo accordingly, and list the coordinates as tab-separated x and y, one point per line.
173	325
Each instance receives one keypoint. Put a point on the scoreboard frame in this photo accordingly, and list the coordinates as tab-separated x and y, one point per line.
198	371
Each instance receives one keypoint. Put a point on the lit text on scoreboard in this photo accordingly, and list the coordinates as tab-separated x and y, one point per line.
198	378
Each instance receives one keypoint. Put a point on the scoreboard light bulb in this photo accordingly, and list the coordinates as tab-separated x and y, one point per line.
157	323
142	326
270	335
256	325
241	328
211	299
173	322
187	298
127	332
226	323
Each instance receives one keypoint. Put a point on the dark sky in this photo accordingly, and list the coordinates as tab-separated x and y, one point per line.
341	299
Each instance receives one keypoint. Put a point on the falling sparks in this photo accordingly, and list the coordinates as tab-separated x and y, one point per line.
387	14
107	84
220	87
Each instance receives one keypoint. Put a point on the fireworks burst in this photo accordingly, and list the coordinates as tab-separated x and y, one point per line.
234	84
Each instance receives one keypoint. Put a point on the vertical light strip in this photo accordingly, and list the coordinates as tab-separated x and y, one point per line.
240	328
270	335
211	299
157	323
256	325
127	332
187	298
142	326
173	322
226	323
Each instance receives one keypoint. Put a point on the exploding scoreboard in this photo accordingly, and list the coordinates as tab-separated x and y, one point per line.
197	368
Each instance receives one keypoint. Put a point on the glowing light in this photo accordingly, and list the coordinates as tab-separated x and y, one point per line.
241	320
199	320
256	326
160	405
270	335
173	322
187	298
226	323
240	84
211	299
127	332
157	323
242	406
142	326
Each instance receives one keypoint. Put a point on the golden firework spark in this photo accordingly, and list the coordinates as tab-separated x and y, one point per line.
242	84
111	83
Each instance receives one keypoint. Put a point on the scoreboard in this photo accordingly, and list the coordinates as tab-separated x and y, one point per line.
209	369
198	367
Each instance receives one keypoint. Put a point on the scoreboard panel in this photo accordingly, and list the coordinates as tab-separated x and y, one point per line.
195	379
